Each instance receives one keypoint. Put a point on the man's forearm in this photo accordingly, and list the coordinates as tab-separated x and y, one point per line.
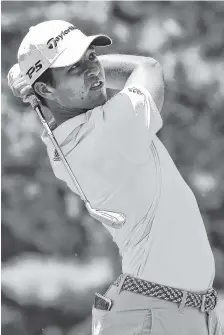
119	67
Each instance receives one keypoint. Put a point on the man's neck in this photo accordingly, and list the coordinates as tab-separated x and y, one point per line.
60	118
61	115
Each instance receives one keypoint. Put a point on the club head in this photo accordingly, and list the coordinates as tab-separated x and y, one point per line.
109	218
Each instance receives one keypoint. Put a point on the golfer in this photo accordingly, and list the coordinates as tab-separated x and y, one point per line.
106	113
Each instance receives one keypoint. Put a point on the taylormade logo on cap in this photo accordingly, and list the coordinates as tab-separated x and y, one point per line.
52	42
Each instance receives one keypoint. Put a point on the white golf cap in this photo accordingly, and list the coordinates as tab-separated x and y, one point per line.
53	44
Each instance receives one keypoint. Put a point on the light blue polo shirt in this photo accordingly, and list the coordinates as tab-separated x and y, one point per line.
122	166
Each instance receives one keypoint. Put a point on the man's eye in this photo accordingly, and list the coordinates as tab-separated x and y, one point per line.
75	66
92	56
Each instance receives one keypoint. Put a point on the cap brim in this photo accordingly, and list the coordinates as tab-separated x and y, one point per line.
100	40
73	54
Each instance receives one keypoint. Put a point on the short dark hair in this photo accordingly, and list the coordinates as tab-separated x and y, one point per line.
47	78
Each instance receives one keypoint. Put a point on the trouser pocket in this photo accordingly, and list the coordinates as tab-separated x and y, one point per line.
214	325
128	322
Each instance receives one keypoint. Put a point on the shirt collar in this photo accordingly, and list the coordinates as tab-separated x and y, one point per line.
62	131
67	127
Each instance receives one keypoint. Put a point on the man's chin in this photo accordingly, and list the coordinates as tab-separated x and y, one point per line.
99	101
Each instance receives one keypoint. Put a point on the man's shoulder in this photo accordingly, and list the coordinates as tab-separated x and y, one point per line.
129	98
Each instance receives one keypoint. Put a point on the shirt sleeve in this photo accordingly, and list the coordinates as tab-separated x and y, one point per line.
132	119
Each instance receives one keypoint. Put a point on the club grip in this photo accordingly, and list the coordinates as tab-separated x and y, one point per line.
33	100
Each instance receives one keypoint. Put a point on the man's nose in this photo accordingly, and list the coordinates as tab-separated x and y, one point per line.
93	71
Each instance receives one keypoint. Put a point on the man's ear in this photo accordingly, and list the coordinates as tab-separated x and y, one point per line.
44	90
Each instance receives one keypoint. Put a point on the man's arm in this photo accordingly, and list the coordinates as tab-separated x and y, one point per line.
122	70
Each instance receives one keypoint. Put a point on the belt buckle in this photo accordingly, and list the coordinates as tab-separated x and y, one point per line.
203	303
210	292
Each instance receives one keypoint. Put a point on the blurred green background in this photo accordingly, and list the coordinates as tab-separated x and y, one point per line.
54	256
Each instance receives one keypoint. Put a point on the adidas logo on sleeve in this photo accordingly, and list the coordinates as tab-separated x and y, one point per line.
56	157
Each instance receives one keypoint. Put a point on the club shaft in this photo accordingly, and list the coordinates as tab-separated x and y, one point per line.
37	108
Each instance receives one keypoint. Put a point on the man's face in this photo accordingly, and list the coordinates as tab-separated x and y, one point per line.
81	85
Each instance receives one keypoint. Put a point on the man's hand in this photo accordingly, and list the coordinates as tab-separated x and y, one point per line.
17	83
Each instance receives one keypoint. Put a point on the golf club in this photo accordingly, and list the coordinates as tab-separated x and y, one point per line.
109	218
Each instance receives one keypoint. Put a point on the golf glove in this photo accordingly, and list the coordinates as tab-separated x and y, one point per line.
17	83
